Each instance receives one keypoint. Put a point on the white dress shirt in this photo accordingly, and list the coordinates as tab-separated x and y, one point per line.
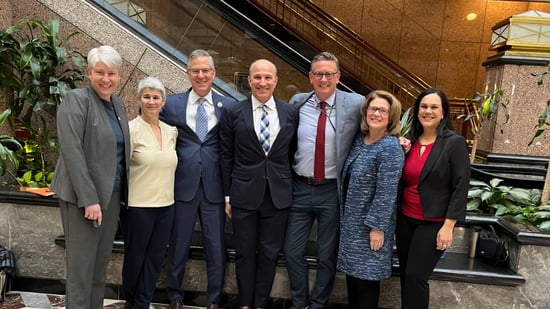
272	115
191	113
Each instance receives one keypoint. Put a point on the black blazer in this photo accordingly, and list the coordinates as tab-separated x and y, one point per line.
445	178
246	170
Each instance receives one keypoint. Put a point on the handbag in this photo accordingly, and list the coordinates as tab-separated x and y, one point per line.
8	271
491	248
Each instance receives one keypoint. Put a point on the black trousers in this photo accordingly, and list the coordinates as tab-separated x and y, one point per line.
362	294
416	248
147	233
259	236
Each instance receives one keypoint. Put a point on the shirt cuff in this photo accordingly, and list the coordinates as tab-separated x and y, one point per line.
227	199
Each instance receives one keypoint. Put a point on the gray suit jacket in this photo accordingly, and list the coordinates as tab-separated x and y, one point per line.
85	171
348	119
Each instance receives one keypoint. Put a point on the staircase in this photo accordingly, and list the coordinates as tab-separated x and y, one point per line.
323	32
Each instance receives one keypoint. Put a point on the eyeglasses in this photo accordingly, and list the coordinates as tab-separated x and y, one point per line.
328	75
374	109
198	71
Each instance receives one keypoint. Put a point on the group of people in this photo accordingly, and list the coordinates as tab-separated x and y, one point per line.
273	168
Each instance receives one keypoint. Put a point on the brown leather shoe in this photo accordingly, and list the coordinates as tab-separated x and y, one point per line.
176	304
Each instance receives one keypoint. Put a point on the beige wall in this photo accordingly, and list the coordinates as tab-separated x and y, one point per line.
431	38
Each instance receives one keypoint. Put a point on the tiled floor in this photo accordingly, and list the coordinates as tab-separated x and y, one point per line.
16	300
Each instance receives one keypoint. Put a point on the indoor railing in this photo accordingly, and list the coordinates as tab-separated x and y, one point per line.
323	32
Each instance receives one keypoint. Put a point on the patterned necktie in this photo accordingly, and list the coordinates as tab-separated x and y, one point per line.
264	130
201	120
319	158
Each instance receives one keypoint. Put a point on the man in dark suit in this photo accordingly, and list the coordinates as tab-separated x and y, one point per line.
198	187
255	141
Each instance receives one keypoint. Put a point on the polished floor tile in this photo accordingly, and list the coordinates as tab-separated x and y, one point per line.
16	300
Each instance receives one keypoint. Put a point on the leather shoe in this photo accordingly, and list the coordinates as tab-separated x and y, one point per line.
212	306
176	304
244	307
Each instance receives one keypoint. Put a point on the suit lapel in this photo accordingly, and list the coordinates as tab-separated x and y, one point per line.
342	107
248	118
181	110
282	122
218	105
432	157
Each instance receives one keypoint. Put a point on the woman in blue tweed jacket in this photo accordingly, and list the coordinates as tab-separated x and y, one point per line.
368	207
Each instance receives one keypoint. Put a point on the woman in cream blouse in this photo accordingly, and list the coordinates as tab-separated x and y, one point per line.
147	221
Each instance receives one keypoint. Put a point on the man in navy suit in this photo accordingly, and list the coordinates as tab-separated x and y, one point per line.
256	136
198	187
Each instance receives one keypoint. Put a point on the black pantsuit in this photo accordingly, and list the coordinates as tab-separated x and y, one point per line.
417	258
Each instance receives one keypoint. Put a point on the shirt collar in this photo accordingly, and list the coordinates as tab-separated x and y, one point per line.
257	104
193	97
330	100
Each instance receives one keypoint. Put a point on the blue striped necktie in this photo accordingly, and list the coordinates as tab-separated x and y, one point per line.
201	119
264	130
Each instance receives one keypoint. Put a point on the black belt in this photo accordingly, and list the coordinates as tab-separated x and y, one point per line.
312	181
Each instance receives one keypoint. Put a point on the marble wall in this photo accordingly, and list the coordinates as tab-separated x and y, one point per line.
30	230
527	101
433	39
97	28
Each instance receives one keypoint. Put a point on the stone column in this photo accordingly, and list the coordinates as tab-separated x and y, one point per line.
522	43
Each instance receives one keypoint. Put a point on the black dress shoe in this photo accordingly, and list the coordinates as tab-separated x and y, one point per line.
212	306
176	304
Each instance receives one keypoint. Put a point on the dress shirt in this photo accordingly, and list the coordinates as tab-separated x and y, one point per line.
272	115
192	104
307	132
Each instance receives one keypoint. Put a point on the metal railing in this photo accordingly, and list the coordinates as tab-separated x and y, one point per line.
323	32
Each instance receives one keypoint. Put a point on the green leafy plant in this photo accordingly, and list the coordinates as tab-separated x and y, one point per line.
519	205
7	145
542	121
485	105
36	70
406	122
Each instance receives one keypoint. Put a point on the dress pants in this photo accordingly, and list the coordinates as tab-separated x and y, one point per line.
212	220
259	238
146	238
416	248
87	253
312	203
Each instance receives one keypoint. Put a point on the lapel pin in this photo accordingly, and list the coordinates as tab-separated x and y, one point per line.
220	104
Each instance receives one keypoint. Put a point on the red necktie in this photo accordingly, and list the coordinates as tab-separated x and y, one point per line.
319	161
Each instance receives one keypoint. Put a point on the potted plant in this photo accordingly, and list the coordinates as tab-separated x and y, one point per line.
36	70
519	205
7	145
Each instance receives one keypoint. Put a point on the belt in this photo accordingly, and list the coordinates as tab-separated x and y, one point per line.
312	181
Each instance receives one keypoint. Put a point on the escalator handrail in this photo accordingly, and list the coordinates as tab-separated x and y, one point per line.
174	55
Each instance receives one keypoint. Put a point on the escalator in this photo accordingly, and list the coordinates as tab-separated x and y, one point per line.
233	39
289	33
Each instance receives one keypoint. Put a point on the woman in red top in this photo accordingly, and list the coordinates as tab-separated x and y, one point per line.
435	183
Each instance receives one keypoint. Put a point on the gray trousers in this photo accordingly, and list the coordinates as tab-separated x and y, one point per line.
87	253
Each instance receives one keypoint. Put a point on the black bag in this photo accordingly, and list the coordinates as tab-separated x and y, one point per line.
491	248
8	271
